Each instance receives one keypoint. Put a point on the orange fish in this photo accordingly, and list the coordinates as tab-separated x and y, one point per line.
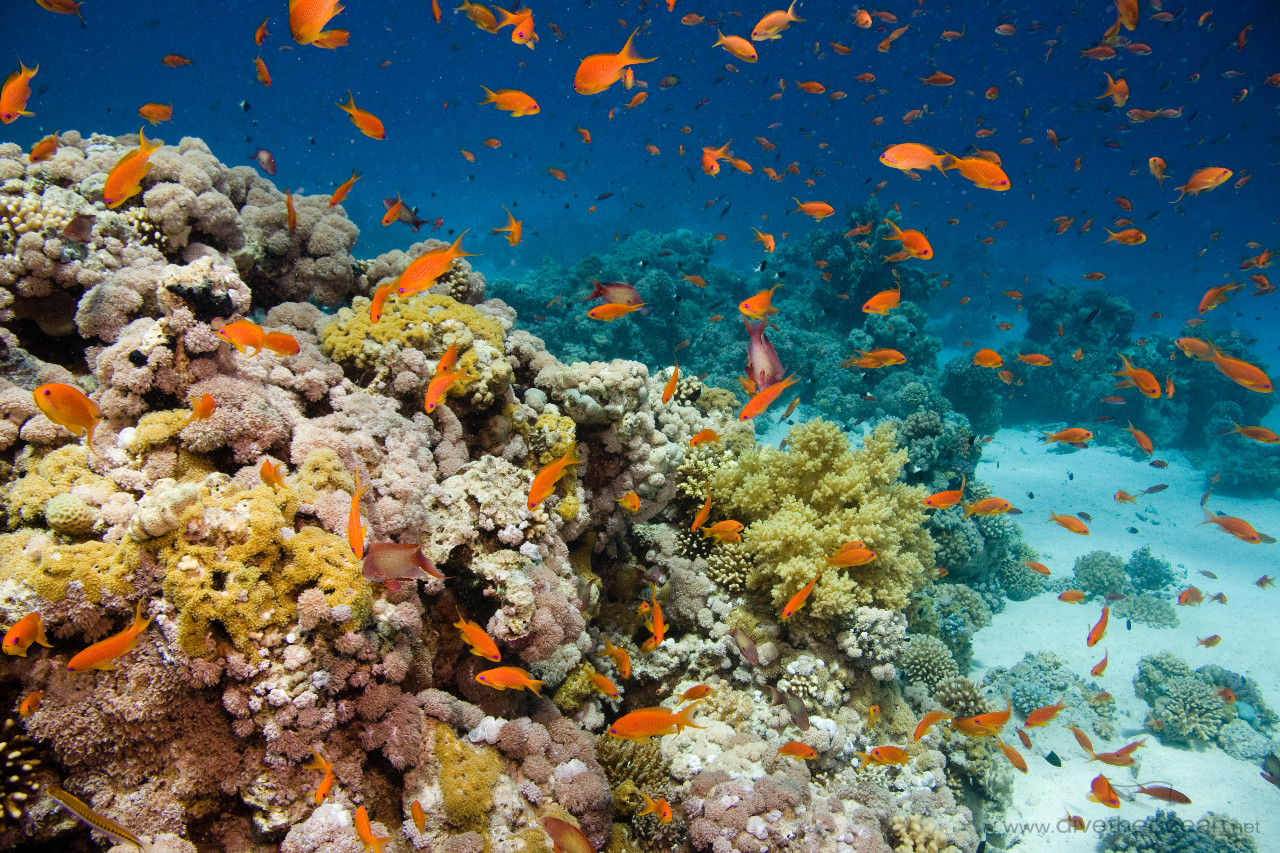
102	654
850	557
982	172
796	749
125	178
260	35
1141	438
639	726
1070	522
1216	296
415	808
605	686
948	498
1071	435
610	311
272	474
1101	666
356	530
345	187
737	45
30	703
1127	237
1260	434
1071	596
544	483
281	343
482	645
987	506
44	149
291	215
1100	791
772	24
694	693
620	658
1015	758
654	622
928	721
1144	380
307	19
156	113
914	243
1042	715
512	101
660	809
759	306
27	630
510	677
724	531
983	725
797	601
566	838
987	358
883	302
708	435
1117	90
260	68
601	70
701	518
669	390
521	22
1203	180
366	122
326	782
371	842
764	398
429	266
244	333
884	756
1100	630
819	210
15	92
68	407
392	214
1209	642
514	229
630	502
1240	372
766	239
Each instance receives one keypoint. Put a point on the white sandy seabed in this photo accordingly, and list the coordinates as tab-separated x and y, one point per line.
1015	464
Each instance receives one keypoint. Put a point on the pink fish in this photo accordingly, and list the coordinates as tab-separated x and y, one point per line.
389	562
266	162
764	367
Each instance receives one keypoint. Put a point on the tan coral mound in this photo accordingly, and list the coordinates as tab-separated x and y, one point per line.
802	503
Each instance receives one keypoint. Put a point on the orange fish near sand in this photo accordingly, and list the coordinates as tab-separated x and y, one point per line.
601	70
1203	180
307	19
1100	791
423	270
124	181
365	121
1070	522
1042	715
15	92
1237	527
1099	630
102	655
68	407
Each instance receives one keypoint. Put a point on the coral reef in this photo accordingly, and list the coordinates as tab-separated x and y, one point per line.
1168	833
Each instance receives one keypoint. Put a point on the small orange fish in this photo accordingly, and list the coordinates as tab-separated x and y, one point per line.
307	19
630	502
544	483
946	498
620	659
1203	180
1071	596
1101	666
984	725
654	622
345	187
511	101
1042	715
601	70
272	474
987	506
1237	527
759	306
884	756
610	311
482	645
797	601
796	749
30	703
326	782
703	513
1071	435
418	813
280	343
366	122
44	149
373	843
1100	791
15	92
356	530
1209	642
694	693
819	210
260	69
1099	630
604	685
565	837
510	677
175	60
68	407
850	557
423	270
928	721
156	113
639	726
883	302
660	809
27	630
102	654
291	215
1014	757
1039	568
124	181
704	437
764	398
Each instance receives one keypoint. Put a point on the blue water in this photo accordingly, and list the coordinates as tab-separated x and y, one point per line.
93	78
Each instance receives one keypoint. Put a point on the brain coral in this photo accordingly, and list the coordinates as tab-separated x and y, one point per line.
802	503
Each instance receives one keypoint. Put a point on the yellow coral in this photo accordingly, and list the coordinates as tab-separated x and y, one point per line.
576	689
802	503
322	471
47	567
467	776
568	508
157	428
46	476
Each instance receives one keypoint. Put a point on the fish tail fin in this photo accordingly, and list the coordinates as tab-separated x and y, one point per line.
456	249
1209	518
40	635
490	95
1184	192
629	54
864	759
685	717
139	624
791	13
968	509
571	456
535	687
946	160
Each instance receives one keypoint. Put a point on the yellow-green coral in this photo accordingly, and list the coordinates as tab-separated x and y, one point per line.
428	324
802	503
467	776
48	567
576	689
46	476
322	471
244	572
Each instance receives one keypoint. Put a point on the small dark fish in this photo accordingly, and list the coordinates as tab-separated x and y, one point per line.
1053	759
1158	463
1128	624
1085	516
80	229
1013	511
746	645
603	196
982	847
1115	596
1092	314
1133	530
1159	487
266	162
1031	495
1265	539
799	713
1209	575
405	215
1070	476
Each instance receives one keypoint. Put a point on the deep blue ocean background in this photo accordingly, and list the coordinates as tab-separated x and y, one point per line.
424	81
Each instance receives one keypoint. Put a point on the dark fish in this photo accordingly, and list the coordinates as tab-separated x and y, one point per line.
746	645
266	162
1158	463
1209	575
1092	314
405	215
390	562
1031	496
1128	624
1115	596
80	229
1070	476
1133	530
1053	759
1164	792
603	196
1085	516
1159	487
1013	510
799	713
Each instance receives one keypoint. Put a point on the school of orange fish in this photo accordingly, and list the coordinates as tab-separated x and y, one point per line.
764	382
